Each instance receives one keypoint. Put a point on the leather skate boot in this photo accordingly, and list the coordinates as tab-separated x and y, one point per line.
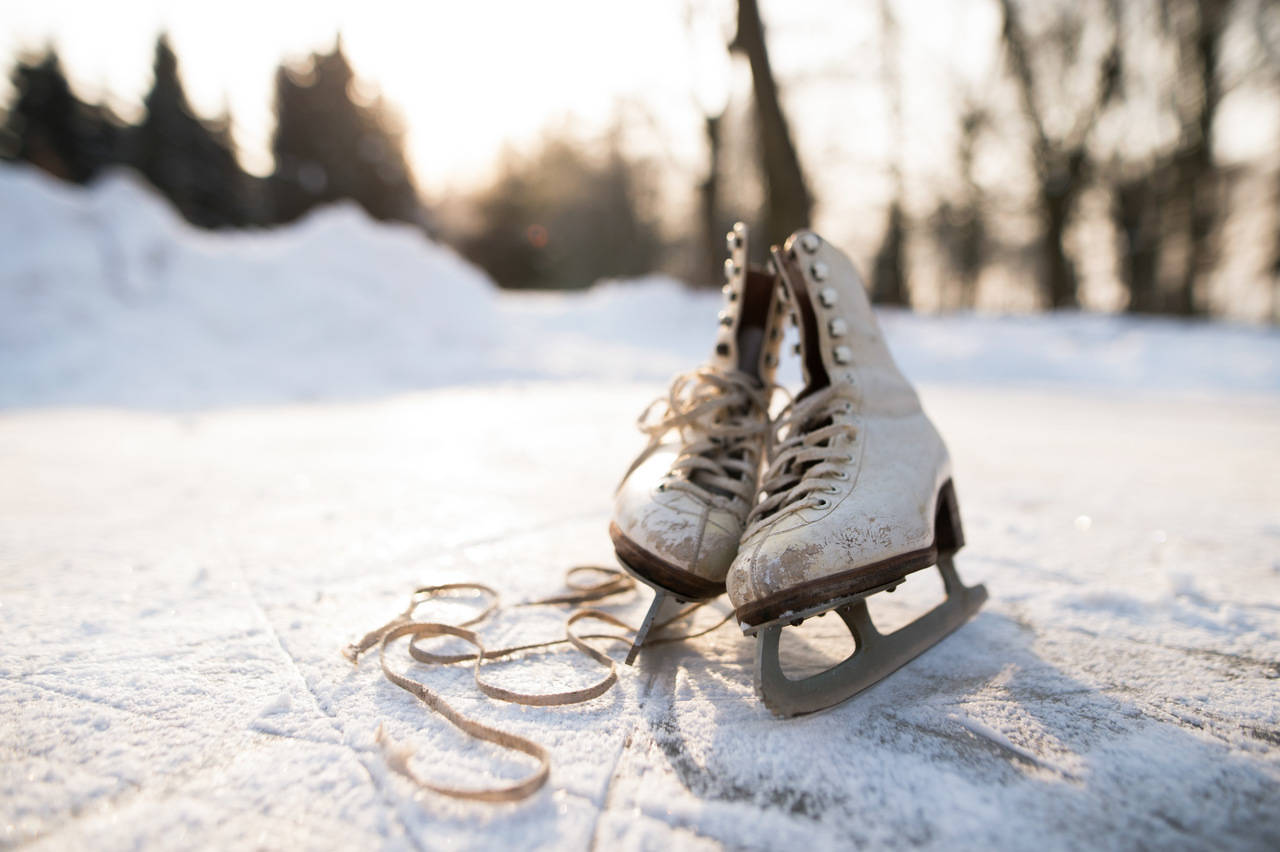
682	506
857	495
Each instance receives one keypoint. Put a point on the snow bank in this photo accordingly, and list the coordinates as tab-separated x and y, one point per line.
107	297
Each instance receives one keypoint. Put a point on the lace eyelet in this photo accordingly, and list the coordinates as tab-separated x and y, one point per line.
832	489
821	503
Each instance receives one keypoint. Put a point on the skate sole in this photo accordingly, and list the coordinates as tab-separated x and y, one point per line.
657	572
830	592
826	593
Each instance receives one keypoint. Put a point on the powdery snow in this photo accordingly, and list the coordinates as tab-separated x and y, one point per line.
222	462
106	297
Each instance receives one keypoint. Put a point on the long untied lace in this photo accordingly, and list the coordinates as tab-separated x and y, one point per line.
612	582
720	417
802	455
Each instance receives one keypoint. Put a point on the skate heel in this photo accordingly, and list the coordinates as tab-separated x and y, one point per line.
948	533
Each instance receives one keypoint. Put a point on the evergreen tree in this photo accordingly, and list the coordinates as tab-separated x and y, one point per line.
191	161
328	146
48	126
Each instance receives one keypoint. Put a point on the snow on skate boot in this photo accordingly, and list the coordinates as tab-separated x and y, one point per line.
857	495
681	507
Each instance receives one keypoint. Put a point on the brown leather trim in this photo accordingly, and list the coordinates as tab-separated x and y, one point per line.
660	572
753	322
844	584
948	537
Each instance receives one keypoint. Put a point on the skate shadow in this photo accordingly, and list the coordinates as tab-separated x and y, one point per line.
985	716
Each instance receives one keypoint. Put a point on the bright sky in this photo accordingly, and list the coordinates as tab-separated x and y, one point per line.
467	75
470	76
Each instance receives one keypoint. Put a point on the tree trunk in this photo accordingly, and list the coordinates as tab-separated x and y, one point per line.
971	237
788	204
1196	169
888	275
1062	162
1058	270
1275	264
709	205
1135	216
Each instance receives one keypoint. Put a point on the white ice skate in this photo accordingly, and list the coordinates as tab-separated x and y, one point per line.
857	495
681	507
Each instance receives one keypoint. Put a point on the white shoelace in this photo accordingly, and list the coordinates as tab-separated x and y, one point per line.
803	463
721	418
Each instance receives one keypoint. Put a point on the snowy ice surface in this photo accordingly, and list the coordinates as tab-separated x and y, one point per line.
224	457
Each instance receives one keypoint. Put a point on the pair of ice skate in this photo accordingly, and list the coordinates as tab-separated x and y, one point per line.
846	492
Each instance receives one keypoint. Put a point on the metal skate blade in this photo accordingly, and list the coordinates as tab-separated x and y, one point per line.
664	608
876	656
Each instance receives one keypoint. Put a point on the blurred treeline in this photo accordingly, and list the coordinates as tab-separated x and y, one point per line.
1103	115
328	144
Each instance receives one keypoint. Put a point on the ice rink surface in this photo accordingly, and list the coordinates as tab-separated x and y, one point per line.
224	457
176	591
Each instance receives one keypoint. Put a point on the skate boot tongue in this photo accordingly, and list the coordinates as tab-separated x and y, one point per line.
751	319
745	356
811	364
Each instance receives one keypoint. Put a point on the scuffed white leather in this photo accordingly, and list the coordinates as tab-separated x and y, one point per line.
696	536
886	504
699	535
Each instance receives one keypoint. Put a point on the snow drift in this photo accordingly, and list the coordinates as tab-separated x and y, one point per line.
107	297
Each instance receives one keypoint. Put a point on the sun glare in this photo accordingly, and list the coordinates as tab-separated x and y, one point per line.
467	78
